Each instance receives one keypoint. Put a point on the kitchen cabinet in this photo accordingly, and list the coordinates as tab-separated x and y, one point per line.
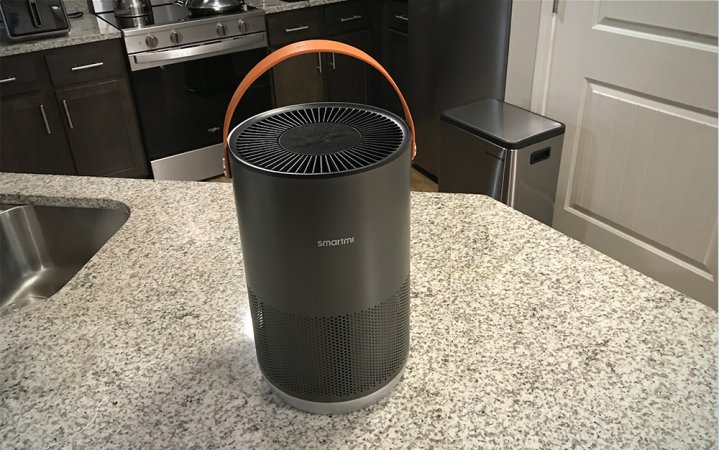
395	51
347	77
396	63
103	135
70	111
299	80
32	137
323	77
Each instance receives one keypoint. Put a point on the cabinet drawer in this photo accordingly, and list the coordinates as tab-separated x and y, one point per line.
347	16
293	26
19	75
88	62
398	16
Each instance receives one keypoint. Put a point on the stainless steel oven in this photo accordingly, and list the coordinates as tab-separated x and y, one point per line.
183	73
181	105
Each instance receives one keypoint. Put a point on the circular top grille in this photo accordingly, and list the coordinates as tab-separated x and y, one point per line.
319	139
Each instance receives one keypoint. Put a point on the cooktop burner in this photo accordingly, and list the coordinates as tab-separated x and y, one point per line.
164	15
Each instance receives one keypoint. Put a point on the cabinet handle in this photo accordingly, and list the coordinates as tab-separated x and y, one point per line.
302	28
319	62
7	80
88	66
348	19
402	17
67	114
333	63
44	119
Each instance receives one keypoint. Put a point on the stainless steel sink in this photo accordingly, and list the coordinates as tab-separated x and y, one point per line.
43	247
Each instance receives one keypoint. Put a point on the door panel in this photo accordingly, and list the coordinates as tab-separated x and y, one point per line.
636	84
695	23
398	66
102	130
299	80
31	142
347	76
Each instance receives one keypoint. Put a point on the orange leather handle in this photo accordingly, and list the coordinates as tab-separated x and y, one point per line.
296	49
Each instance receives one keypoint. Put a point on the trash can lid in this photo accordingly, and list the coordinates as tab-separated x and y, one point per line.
503	124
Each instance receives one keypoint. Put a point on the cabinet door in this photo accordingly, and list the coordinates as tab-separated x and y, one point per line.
102	130
346	76
32	139
299	80
293	26
397	64
21	74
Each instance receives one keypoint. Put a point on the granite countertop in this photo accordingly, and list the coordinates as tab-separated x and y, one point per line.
520	337
87	28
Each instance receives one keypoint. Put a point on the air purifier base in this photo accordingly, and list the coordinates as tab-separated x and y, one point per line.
338	407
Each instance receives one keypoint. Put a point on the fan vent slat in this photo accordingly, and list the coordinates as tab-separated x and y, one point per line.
317	147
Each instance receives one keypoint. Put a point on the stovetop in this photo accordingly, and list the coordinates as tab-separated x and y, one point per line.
165	15
172	26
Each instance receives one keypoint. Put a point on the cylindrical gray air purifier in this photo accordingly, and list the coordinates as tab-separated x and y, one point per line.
322	195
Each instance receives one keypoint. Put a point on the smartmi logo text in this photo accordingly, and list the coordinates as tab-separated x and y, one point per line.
336	242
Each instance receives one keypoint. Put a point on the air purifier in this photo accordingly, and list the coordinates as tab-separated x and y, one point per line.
323	204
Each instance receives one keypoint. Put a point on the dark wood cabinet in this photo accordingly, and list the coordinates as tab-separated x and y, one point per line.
299	80
346	76
103	135
32	138
21	74
395	52
395	60
324	77
70	111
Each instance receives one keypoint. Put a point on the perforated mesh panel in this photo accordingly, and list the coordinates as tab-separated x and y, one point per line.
337	358
319	139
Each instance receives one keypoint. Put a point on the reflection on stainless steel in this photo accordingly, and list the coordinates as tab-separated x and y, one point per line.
88	66
198	164
43	247
132	8
208	7
444	74
181	54
132	22
44	119
67	114
247	328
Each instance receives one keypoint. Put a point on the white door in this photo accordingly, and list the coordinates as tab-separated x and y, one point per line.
636	84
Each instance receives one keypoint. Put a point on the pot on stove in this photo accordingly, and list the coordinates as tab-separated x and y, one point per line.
207	7
132	8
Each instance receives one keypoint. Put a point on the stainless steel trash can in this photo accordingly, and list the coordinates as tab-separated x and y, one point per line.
491	147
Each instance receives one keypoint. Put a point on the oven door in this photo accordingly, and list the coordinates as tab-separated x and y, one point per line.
181	99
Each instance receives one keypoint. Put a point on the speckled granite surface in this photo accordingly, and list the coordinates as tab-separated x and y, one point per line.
87	28
521	338
275	6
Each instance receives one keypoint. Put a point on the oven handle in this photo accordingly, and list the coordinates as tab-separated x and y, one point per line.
156	58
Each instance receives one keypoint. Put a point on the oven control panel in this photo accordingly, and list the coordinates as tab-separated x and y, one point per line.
192	32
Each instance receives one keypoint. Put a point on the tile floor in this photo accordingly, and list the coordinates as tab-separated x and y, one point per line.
417	182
